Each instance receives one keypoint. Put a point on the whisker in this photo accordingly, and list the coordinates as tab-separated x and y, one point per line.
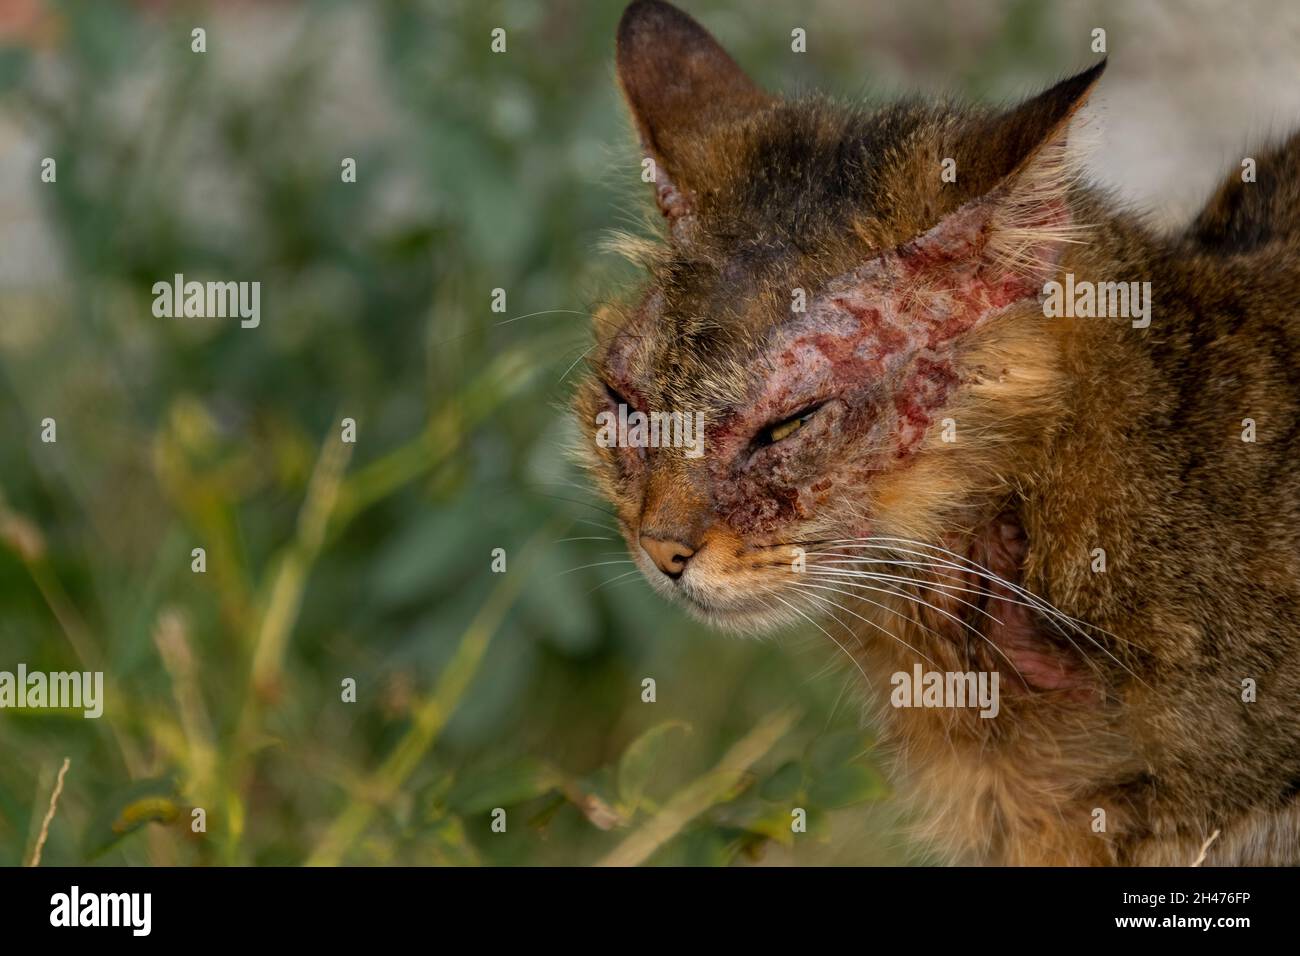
973	565
916	600
827	633
835	706
529	315
861	618
965	586
595	524
616	578
575	362
575	501
1040	604
901	579
896	593
597	564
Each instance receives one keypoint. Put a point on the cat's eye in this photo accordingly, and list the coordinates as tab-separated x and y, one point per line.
616	398
784	429
775	433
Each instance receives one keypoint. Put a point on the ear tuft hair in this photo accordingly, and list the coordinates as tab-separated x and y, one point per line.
1031	217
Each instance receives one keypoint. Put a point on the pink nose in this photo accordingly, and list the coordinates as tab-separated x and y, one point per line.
670	557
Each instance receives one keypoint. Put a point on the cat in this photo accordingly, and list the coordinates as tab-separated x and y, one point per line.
906	452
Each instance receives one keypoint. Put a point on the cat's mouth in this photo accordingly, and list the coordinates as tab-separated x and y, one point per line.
724	594
717	604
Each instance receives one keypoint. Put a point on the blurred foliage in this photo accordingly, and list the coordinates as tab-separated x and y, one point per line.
370	561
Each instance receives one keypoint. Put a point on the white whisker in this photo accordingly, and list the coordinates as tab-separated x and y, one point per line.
597	564
859	616
827	633
967	565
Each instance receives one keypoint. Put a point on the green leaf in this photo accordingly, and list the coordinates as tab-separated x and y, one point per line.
846	786
784	783
834	750
819	825
430	548
504	787
774	824
721	786
706	846
638	763
554	603
542	819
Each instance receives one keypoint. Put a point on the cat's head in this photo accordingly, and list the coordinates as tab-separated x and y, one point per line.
846	298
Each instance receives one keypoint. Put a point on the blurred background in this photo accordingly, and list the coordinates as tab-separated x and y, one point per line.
371	561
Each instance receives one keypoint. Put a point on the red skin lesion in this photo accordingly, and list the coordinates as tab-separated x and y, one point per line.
1028	659
885	339
917	402
884	336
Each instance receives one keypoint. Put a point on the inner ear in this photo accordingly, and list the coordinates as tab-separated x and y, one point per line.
680	85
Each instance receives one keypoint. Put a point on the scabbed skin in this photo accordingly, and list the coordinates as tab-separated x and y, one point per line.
921	317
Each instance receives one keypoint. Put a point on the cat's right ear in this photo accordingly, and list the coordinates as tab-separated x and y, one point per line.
680	85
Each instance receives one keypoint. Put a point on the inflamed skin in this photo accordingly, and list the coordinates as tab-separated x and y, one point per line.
905	449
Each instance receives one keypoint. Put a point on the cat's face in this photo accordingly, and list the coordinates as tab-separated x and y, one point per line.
827	306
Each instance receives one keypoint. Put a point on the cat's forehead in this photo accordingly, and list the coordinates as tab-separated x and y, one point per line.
672	355
706	331
807	194
804	170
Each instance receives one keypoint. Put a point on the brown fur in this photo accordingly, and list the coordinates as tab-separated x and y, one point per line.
1075	434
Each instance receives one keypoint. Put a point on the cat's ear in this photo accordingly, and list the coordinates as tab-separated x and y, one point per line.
680	85
1033	135
1019	168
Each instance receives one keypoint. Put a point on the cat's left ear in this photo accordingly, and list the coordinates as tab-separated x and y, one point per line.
1018	168
680	87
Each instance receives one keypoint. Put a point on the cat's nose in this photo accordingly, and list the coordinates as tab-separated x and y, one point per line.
670	557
